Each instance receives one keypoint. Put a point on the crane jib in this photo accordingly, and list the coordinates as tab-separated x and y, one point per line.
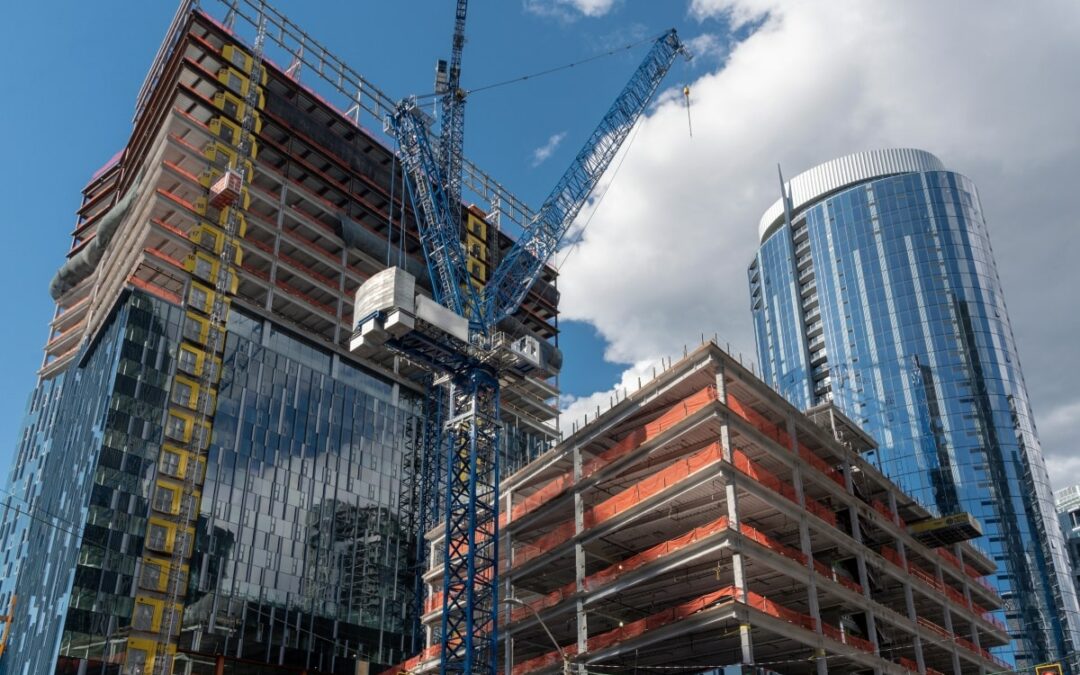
521	267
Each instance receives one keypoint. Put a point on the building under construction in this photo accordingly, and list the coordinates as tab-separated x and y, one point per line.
704	522
213	478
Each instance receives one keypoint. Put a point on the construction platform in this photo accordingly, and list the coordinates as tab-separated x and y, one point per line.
702	522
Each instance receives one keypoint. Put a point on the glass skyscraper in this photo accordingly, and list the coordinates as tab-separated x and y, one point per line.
874	287
207	479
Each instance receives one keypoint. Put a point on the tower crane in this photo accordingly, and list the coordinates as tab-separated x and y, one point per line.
454	335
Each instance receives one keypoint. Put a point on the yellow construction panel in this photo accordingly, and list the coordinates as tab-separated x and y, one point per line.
208	236
477	269
239	82
197	328
200	296
166	543
236	108
241	222
476	248
237	57
476	226
141	654
191	385
188	461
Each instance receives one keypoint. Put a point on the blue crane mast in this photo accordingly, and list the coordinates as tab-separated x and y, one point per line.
455	337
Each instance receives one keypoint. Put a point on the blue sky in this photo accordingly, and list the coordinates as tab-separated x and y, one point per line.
75	67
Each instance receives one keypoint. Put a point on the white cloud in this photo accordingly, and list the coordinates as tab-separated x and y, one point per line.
541	154
569	9
708	46
575	410
664	258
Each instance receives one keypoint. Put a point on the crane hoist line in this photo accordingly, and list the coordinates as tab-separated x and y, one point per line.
454	334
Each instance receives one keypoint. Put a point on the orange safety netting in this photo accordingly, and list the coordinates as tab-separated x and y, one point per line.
675	414
889	514
763	476
429	653
847	638
435	600
671	475
963	642
908	664
892	556
679	612
932	671
544	660
605	576
659	619
628	498
773	431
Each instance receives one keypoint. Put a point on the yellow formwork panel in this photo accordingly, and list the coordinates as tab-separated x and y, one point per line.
187	395
180	425
208	236
196	328
237	57
477	269
239	82
142	654
476	248
241	221
154	573
232	133
168	487
187	461
476	226
236	108
200	296
166	543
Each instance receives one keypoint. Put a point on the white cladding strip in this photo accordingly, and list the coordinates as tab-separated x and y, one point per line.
848	170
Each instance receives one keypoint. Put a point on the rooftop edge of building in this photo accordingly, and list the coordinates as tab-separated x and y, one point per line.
842	172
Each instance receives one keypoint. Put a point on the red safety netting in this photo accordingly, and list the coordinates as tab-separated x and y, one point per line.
429	653
892	556
763	476
963	642
663	618
543	661
686	609
988	617
847	638
774	432
678	471
603	577
675	414
908	664
889	514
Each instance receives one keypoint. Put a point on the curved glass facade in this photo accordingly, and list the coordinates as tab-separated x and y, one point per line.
883	298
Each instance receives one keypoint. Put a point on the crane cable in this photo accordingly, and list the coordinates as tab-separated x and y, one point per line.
549	71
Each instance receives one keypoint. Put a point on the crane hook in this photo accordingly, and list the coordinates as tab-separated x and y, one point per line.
686	95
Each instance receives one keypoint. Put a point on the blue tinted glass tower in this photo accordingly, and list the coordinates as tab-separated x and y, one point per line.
874	288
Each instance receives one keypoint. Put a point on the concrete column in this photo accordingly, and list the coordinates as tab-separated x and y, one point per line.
280	223
909	602
946	614
805	545
579	561
731	494
864	580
